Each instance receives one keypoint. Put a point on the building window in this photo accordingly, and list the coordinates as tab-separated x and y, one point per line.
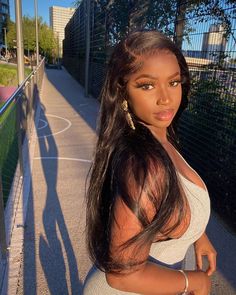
4	9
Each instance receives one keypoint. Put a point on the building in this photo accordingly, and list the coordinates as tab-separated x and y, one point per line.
59	17
214	42
4	14
192	53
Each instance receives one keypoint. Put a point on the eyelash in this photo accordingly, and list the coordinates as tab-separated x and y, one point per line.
176	81
143	85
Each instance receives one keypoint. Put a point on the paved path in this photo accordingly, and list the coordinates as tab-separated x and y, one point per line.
224	280
54	259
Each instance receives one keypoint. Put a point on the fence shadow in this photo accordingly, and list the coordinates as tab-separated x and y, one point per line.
50	248
225	244
73	93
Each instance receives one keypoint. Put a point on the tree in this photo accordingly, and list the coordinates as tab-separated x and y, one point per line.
47	41
11	34
172	17
29	33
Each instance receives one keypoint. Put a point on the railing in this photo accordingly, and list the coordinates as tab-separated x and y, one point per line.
16	122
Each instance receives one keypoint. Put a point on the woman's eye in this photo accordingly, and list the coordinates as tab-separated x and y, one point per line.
174	83
146	86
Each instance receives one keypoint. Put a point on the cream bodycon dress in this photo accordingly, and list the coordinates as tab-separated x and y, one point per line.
170	253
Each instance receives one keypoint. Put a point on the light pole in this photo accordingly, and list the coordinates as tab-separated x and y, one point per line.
19	42
5	40
58	50
36	31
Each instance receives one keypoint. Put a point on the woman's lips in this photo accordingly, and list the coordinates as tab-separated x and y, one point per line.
165	115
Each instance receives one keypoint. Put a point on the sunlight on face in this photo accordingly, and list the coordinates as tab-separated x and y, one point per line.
155	90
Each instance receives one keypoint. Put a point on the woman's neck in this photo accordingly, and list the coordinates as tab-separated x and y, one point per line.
159	133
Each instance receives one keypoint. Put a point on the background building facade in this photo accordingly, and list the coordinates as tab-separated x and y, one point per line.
59	17
4	14
214	42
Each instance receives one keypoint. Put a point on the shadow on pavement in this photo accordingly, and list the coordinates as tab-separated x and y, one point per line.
54	247
63	81
50	245
225	244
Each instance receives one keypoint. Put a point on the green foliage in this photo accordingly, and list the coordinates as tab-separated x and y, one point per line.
47	41
11	33
203	10
205	93
212	108
8	75
28	26
233	60
8	150
208	133
125	15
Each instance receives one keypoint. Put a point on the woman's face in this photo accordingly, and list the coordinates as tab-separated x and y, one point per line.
155	90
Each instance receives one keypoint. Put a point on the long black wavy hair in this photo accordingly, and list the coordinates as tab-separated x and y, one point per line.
124	156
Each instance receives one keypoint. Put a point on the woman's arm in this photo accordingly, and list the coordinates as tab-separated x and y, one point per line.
147	278
154	280
203	247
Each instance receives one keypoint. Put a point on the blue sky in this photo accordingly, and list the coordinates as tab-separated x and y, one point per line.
43	7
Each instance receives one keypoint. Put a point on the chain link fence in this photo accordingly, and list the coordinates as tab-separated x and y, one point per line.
16	123
208	126
206	33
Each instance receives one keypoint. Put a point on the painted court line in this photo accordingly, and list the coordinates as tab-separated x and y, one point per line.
45	124
63	158
52	134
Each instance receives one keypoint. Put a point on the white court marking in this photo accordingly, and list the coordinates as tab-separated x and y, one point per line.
54	133
45	124
62	158
83	104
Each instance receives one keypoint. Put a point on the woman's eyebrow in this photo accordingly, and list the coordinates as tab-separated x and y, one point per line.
146	76
156	78
174	75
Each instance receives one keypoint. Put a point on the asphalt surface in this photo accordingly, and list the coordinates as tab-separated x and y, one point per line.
54	258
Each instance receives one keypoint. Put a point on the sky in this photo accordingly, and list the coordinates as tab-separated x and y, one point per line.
43	7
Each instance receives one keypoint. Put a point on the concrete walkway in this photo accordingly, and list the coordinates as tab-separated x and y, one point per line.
54	259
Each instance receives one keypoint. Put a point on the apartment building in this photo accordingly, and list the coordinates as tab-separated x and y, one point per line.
4	14
59	17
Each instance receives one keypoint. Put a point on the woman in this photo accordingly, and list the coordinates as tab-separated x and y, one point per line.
146	205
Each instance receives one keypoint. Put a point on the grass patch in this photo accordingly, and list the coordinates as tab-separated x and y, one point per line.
8	130
8	150
8	75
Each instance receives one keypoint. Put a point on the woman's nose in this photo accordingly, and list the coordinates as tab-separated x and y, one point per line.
162	97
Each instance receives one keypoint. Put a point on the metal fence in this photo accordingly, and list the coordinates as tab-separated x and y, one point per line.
206	32
16	122
208	126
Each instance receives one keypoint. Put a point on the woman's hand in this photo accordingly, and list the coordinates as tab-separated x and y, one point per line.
199	283
203	247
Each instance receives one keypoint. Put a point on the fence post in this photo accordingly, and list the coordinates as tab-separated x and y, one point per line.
19	131
87	48
180	22
3	242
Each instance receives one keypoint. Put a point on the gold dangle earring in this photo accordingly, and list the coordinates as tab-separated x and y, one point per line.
129	119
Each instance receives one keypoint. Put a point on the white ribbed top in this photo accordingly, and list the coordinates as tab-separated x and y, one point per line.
174	250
